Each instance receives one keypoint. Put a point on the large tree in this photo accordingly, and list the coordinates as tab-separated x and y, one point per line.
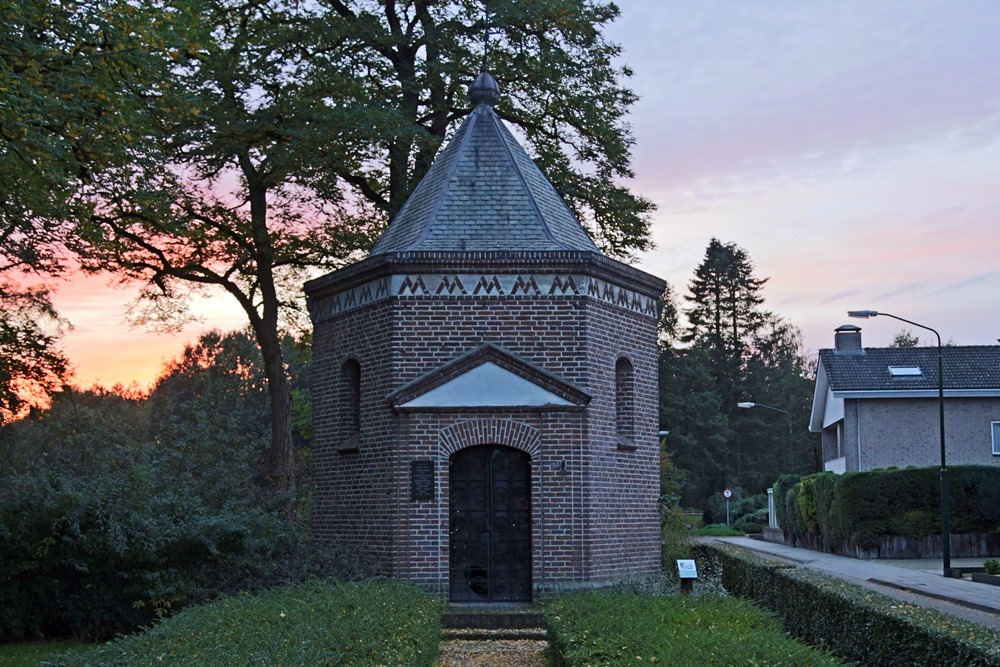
74	77
287	134
731	350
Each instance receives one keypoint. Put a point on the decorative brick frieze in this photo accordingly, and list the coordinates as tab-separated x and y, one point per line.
493	285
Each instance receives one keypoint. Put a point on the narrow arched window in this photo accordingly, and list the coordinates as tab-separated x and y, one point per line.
351	396
624	401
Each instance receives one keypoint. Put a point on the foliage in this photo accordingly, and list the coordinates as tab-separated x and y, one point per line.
991	566
375	622
627	629
854	622
31	365
121	547
718	530
782	486
731	350
74	82
673	535
285	135
742	508
699	427
859	508
126	508
35	653
905	338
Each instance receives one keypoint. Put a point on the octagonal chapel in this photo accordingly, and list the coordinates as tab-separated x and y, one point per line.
485	387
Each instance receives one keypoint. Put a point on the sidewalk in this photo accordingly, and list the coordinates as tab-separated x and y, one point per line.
915	581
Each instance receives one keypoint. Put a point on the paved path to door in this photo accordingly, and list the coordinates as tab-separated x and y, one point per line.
915	581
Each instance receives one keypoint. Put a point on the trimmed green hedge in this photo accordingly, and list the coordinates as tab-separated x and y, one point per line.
605	628
860	508
782	486
374	622
853	622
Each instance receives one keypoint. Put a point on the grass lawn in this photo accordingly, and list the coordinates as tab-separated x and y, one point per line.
718	530
618	629
31	654
375	622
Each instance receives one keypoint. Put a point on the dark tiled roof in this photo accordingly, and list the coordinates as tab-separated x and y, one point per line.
483	193
965	367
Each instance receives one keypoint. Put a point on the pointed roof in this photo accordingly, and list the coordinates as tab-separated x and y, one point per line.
483	193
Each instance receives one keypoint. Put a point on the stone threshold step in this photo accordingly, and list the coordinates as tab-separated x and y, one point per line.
502	634
493	619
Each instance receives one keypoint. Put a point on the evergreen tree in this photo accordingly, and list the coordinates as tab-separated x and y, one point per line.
725	314
732	350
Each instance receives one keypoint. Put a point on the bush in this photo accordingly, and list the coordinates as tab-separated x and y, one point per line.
93	556
606	628
991	566
375	622
861	507
782	487
852	621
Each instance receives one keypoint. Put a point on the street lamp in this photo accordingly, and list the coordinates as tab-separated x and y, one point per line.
791	446
945	531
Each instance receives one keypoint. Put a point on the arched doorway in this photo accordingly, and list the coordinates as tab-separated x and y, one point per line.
490	525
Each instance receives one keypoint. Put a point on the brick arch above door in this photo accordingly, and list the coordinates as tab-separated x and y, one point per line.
489	431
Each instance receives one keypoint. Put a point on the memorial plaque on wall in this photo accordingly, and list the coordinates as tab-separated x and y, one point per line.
421	480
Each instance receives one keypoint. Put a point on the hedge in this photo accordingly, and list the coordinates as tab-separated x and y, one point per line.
373	622
853	622
860	508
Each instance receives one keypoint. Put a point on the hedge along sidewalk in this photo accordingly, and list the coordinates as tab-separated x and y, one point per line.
923	583
854	622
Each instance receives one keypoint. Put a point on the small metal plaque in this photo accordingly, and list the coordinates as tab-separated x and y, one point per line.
422	480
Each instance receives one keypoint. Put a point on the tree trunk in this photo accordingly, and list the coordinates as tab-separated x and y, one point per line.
281	463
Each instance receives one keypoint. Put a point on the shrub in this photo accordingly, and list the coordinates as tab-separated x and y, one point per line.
374	622
854	622
991	566
862	507
94	556
607	628
674	537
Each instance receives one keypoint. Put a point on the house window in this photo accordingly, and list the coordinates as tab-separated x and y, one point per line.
624	401
996	438
351	395
905	371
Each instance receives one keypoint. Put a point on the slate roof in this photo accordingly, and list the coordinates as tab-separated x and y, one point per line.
966	367
482	194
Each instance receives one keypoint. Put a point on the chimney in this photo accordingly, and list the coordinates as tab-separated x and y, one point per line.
847	340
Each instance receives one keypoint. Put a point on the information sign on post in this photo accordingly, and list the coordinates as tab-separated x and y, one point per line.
727	494
687	571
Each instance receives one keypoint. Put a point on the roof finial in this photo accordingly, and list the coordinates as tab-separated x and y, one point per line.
486	36
485	90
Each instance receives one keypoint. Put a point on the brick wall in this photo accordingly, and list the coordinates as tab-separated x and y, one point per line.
594	494
906	432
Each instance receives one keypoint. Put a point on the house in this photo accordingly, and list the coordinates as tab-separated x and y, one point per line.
878	407
485	387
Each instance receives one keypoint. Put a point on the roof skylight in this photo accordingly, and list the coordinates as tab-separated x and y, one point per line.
905	371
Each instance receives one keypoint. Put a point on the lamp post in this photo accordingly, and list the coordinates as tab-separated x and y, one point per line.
791	446
945	530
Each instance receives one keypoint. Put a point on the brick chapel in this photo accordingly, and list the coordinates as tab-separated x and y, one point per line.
485	386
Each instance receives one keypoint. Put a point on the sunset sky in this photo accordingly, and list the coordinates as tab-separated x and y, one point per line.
852	147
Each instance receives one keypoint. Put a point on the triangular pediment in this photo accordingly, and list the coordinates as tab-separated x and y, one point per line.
488	378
